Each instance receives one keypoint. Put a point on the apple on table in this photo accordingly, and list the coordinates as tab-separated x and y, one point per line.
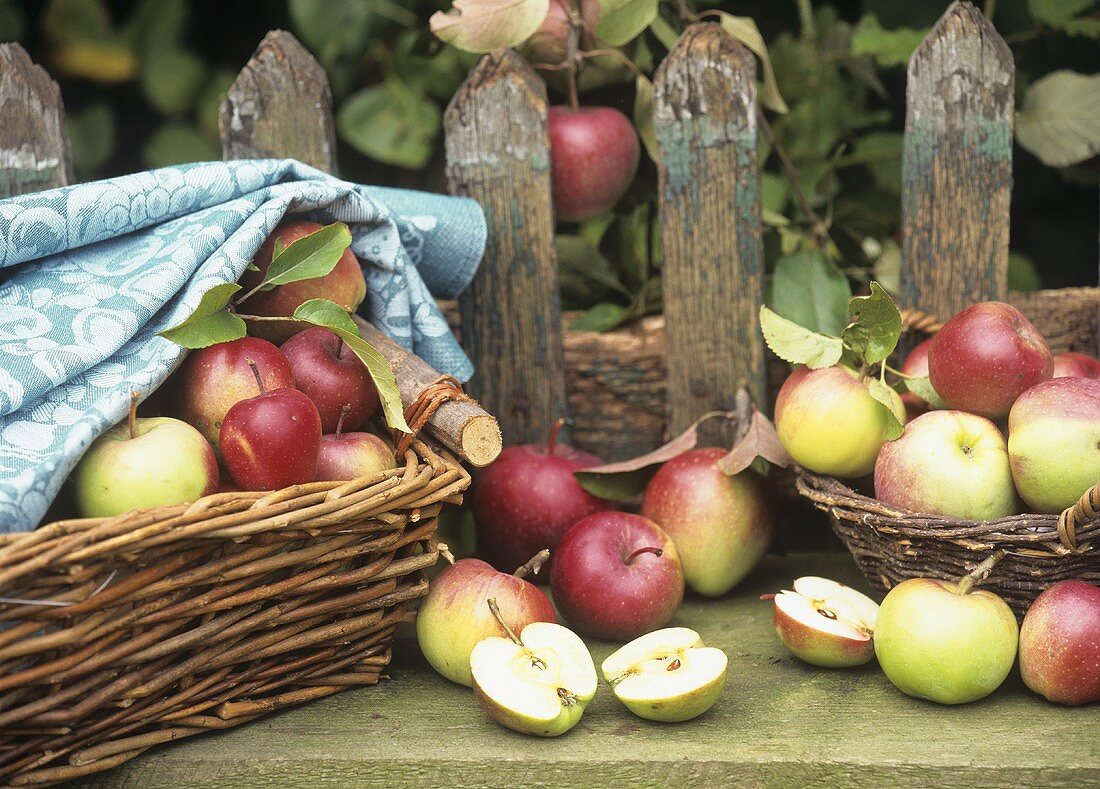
1060	643
826	623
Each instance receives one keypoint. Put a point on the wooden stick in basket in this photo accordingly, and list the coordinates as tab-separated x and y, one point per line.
462	426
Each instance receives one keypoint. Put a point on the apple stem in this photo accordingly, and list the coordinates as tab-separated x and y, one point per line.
552	443
572	54
445	551
536	661
256	373
134	396
647	549
533	565
344	409
339	345
979	573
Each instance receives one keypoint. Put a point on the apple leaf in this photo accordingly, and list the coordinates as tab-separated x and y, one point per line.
481	26
643	115
811	290
745	30
797	344
1060	119
210	323
922	388
322	312
759	441
309	257
876	325
621	21
885	396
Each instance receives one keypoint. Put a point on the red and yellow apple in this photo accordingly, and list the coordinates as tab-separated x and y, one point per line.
1060	643
1076	365
826	623
916	364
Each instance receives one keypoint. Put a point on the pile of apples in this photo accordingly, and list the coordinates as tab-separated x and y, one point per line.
271	416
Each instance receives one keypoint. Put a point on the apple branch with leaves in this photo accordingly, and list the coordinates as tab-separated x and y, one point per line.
218	319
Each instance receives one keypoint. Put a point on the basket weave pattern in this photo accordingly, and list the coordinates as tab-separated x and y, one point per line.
119	634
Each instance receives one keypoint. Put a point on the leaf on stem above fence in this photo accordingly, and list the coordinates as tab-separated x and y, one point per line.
797	344
744	30
210	323
811	290
1060	118
876	325
322	312
484	25
309	257
643	115
621	21
888	47
759	440
885	397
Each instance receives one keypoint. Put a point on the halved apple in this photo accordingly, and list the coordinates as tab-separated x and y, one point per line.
538	683
667	675
826	623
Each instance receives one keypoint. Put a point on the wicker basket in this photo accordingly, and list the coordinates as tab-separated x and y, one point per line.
119	634
891	544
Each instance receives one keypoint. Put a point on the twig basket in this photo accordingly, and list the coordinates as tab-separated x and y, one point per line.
891	544
122	633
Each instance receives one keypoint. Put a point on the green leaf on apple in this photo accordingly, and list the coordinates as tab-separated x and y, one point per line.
744	29
797	344
885	396
876	325
484	25
922	388
621	21
322	312
210	323
309	257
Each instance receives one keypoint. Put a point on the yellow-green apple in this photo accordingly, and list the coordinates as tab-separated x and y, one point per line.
332	376
985	357
826	623
212	380
721	525
272	440
527	498
144	463
1060	643
538	682
942	641
1076	365
594	155
916	364
668	675
617	575
547	45
948	463
1054	442
454	617
829	423
352	455
344	285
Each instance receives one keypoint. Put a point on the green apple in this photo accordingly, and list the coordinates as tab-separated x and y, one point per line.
940	641
826	623
142	464
948	463
667	675
829	423
1054	442
537	683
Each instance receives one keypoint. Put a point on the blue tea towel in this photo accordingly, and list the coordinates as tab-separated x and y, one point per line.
90	273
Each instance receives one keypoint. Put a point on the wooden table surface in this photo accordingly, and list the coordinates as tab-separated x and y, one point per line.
779	723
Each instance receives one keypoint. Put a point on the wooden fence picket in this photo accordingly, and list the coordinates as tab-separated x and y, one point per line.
34	149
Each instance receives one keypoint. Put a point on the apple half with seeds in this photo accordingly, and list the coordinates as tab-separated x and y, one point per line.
826	623
667	675
536	683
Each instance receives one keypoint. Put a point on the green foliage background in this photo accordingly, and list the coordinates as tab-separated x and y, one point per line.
142	81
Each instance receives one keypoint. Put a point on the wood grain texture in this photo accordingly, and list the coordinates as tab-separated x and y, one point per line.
1069	318
498	152
704	110
957	165
280	107
779	723
34	149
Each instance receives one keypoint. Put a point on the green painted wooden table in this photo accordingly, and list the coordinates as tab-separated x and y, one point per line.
779	723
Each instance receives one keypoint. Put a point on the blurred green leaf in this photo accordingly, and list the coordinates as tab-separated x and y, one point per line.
744	30
643	115
91	139
333	29
178	143
603	317
485	25
1060	118
13	21
156	25
881	153
622	20
66	21
812	291
85	42
391	124
664	32
1057	12
208	105
584	273
172	79
888	47
1022	273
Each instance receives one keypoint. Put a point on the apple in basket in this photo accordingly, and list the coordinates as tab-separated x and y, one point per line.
826	623
344	285
352	455
594	153
1060	643
144	463
916	364
332	376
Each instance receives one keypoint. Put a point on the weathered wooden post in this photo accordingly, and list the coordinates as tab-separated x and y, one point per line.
957	169
498	152
280	106
34	149
704	110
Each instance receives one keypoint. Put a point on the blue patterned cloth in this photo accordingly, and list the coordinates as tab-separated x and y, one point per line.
90	273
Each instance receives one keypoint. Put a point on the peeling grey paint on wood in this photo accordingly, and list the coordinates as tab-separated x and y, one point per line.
34	149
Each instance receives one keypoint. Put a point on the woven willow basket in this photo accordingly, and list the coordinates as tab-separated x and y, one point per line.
122	633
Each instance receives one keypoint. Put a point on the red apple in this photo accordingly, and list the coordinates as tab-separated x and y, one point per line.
547	45
455	617
212	380
594	155
1076	365
1060	643
332	376
721	525
616	576
272	440
344	285
352	455
527	499
916	363
985	357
